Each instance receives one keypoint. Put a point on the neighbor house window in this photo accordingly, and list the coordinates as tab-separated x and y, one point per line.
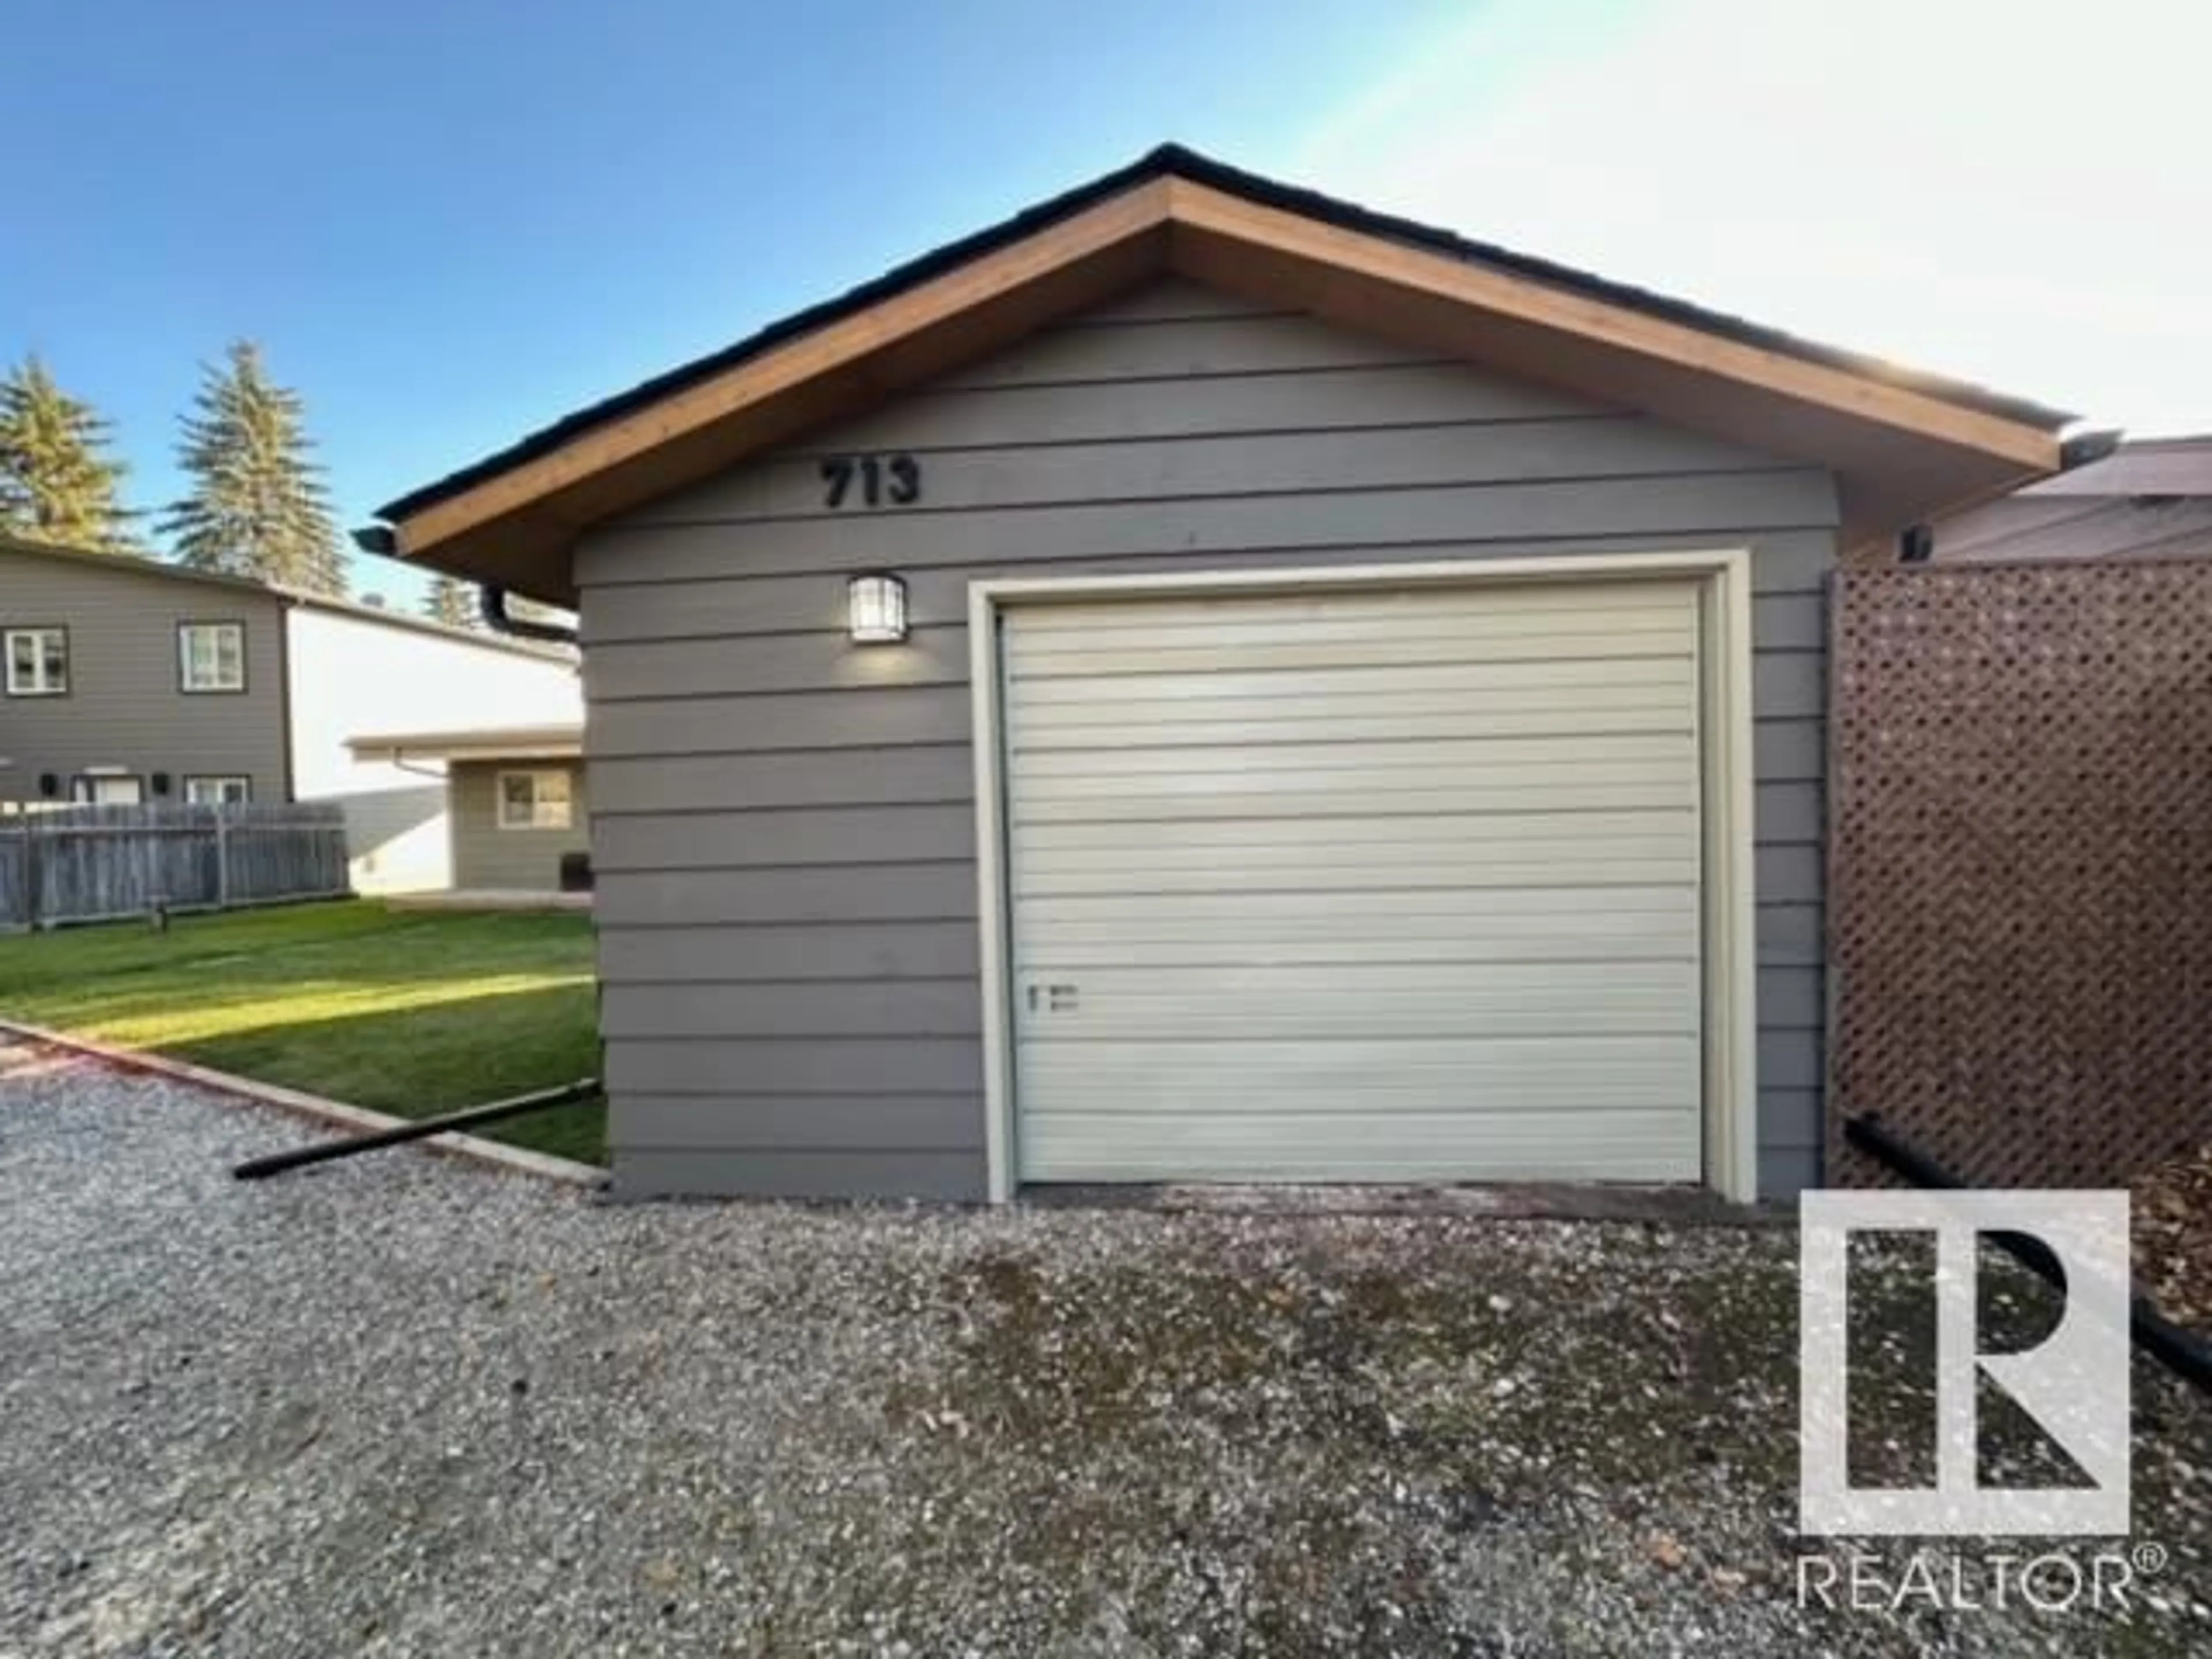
212	656
218	791
106	789
37	662
533	800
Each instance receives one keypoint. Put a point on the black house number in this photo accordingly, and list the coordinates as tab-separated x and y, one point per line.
882	480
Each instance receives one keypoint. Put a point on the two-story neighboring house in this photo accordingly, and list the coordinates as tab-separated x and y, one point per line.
125	680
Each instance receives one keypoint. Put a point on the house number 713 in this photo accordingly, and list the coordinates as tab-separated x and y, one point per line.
884	480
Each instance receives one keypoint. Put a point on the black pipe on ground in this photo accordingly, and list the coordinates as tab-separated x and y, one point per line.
2183	1352
469	1117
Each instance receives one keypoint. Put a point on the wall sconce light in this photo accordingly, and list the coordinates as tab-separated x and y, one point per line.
160	782
875	610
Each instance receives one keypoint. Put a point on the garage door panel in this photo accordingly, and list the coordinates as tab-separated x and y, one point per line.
1497	760
1391	890
1100	801
1241	837
1527	786
1474	915
1607	716
1164	944
1513	924
1362	879
1432	863
1657	674
1592	646
1074	622
1524	1145
1410	636
1163	718
1451	1073
1362	1001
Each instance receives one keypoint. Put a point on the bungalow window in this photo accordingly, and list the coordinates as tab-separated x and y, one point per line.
37	662
533	800
218	791
212	656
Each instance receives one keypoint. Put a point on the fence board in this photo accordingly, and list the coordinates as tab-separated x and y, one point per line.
2021	876
99	863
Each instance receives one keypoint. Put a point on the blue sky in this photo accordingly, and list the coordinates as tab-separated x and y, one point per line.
450	222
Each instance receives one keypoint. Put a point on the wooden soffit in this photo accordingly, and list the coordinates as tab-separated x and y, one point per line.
1901	452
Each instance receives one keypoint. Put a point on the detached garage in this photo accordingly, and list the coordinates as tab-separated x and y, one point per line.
1201	681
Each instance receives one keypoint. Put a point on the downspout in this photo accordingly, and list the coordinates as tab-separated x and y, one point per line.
495	615
384	542
2187	1355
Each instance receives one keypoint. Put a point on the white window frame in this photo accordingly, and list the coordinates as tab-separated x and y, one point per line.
39	685
188	663
545	812
221	784
85	788
1731	1054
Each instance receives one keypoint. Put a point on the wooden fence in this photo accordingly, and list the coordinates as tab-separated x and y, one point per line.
99	863
2020	867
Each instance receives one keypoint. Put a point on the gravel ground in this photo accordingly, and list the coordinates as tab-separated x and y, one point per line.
408	1406
2173	1238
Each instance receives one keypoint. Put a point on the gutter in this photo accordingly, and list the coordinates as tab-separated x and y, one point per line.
1915	542
384	542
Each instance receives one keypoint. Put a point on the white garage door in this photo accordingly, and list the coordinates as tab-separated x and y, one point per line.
1357	886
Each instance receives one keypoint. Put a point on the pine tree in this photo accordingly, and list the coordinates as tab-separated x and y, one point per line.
259	506
453	602
57	481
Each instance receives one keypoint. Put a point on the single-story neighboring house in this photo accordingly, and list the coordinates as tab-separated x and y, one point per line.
515	803
1203	681
2149	499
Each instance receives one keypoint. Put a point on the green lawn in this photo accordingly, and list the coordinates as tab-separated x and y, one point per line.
408	1012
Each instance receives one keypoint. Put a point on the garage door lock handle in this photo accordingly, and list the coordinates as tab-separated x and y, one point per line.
1052	998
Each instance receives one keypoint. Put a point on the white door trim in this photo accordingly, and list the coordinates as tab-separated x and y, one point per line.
1731	1128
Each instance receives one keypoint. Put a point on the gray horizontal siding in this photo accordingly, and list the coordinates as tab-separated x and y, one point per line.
124	706
1789	612
1208	468
939	774
796	835
1331	399
949	1123
943	891
797	1008
739	952
784	823
714	724
1241	345
1362	525
718	1164
1783	1171
488	859
720	1067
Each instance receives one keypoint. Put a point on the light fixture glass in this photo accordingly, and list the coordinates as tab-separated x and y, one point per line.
875	610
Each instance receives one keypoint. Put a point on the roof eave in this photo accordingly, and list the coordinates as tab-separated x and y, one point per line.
1903	447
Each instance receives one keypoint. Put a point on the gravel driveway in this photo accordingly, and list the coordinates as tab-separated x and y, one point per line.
407	1406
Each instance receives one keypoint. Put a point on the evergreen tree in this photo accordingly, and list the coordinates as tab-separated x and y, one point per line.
258	506
57	481
453	602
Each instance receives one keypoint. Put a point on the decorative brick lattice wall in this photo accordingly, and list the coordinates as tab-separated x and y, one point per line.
2020	867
